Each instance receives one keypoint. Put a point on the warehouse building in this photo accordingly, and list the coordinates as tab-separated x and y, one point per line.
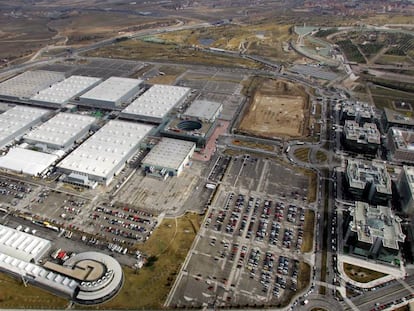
204	110
21	245
374	232
155	103
401	145
60	93
26	161
111	93
60	132
104	154
368	181
395	119
27	84
363	139
168	157
16	121
86	278
100	276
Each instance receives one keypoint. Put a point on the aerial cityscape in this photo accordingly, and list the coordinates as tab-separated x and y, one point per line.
210	154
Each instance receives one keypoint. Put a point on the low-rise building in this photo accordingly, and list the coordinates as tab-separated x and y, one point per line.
374	232
368	181
26	161
168	157
392	118
196	124
16	121
104	154
60	93
27	84
21	245
60	132
111	93
155	103
204	110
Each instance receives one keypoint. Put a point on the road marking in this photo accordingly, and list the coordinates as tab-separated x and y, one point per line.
408	287
350	303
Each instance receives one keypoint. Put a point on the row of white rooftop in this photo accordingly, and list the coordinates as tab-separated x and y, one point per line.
16	121
156	102
21	245
60	131
62	92
104	154
52	89
100	156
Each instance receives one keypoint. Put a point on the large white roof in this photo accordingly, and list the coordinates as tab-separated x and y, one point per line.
29	83
157	100
13	120
27	161
63	91
112	89
104	150
22	245
169	153
60	129
203	109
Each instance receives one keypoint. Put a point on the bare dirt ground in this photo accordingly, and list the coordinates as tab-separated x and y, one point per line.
278	108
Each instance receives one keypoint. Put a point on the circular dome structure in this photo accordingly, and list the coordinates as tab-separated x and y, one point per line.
189	125
103	280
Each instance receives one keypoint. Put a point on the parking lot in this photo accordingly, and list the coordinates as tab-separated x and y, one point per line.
161	196
97	67
264	175
248	252
220	87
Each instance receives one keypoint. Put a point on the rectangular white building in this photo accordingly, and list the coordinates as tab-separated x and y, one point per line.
16	121
169	156
27	161
60	132
155	103
111	93
27	84
23	246
105	153
206	111
60	93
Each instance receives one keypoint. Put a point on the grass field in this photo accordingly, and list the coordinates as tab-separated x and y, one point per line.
321	156
14	295
148	288
385	97
264	39
308	229
312	188
360	274
143	50
302	154
393	59
278	109
253	145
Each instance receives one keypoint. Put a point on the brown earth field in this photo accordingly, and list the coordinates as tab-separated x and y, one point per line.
277	109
